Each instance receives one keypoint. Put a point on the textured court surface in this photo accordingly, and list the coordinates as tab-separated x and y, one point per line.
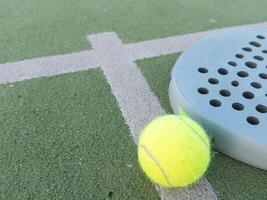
70	136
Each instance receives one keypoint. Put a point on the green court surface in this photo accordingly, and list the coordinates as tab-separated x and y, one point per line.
34	28
64	136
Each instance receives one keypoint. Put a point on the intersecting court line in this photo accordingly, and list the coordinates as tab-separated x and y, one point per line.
60	64
137	103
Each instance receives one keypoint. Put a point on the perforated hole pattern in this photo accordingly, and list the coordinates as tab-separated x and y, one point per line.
241	75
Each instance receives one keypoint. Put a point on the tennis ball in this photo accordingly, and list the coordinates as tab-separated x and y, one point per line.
174	151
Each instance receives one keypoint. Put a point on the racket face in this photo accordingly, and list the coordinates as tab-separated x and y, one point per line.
221	82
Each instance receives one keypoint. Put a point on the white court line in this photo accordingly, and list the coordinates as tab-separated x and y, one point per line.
47	66
59	64
174	44
137	103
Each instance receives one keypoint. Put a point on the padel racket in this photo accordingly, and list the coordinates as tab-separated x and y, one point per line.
221	82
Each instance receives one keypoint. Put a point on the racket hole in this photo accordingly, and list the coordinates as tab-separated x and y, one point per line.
215	103
248	95
222	71
256	85
258	58
261	37
239	55
238	106
235	83
247	49
203	70
263	75
225	93
232	63
255	44
242	74
251	65
264	51
203	90
213	81
253	120
261	108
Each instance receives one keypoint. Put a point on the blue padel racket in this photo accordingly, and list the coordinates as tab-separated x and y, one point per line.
221	82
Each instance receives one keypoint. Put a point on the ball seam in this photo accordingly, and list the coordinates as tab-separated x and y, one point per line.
157	163
195	132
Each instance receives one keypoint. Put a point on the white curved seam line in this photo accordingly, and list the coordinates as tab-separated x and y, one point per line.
196	133
157	163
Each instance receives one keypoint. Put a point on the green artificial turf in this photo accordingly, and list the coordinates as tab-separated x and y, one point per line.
230	179
157	71
63	137
35	28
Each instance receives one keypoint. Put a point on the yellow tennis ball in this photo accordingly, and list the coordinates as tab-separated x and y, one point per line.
174	151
